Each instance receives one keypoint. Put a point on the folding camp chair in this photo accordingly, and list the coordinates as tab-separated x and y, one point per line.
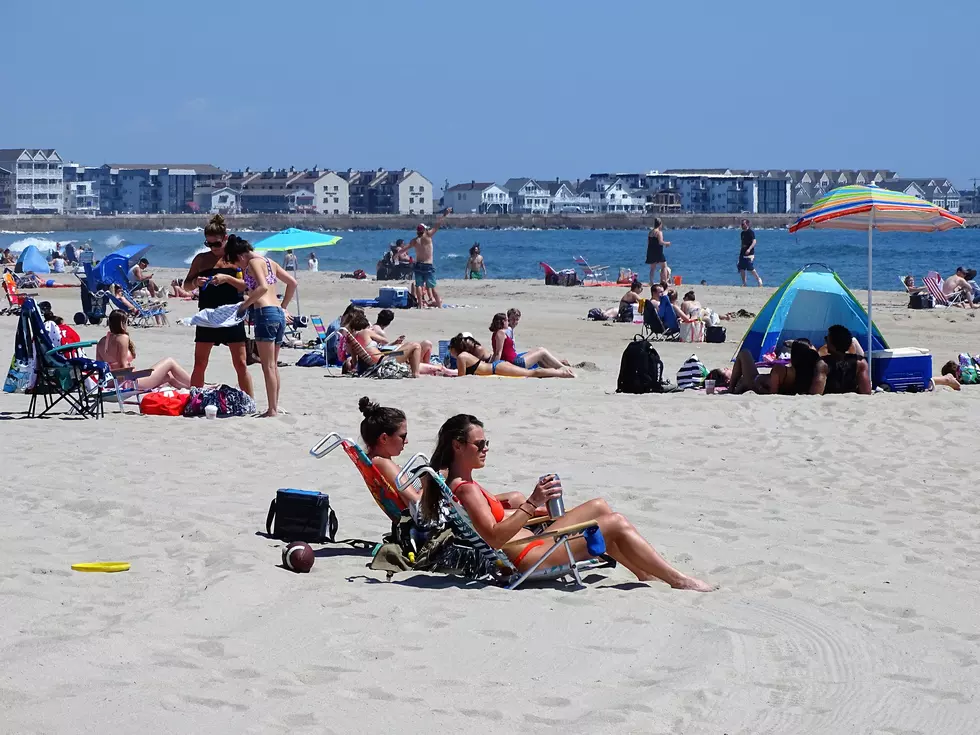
591	272
660	321
59	378
934	282
15	297
146	313
495	565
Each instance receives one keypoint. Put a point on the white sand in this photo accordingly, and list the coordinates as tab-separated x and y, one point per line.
843	532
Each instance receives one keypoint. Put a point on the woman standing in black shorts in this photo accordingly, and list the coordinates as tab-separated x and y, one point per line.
655	252
220	284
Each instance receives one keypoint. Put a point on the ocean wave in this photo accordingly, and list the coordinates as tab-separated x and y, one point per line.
181	229
193	255
113	241
453	256
41	243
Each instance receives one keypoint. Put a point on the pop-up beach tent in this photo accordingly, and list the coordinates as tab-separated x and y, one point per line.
32	260
810	300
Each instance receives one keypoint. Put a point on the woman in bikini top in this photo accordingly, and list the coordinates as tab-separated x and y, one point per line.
462	448
471	359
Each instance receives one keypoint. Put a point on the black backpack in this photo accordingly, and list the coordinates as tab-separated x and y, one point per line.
641	369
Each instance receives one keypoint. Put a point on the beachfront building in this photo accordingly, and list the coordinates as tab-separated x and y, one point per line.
565	198
82	197
388	192
481	197
711	191
224	200
143	188
7	198
527	196
807	185
331	192
940	192
612	193
37	184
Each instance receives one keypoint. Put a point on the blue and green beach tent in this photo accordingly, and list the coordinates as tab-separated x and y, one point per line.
810	300
32	260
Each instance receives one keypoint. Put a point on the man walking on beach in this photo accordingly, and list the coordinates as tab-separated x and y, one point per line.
746	255
425	270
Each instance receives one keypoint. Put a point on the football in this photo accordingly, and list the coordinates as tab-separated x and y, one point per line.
298	556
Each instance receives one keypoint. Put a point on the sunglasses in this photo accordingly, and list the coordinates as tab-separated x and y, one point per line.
482	445
403	437
213	244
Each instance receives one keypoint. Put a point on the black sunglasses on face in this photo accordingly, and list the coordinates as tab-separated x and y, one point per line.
213	244
482	445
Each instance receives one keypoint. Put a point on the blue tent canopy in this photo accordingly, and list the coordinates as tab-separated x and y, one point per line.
32	259
114	268
811	300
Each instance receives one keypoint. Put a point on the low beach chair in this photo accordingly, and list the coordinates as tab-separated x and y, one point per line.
146	314
591	272
381	490
934	282
660	322
367	364
496	565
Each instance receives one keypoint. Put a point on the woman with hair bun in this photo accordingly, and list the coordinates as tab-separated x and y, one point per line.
220	283
384	431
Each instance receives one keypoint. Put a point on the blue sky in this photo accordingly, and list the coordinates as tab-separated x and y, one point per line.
486	90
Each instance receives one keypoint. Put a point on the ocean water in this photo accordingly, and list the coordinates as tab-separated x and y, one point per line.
696	255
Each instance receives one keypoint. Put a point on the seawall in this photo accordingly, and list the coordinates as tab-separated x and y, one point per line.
274	222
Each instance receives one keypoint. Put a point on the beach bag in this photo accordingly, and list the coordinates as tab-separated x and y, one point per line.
641	370
391	370
921	301
230	401
251	352
715	334
164	403
301	515
692	373
596	315
312	359
625	313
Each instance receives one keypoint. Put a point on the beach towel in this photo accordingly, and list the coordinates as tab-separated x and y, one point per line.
222	316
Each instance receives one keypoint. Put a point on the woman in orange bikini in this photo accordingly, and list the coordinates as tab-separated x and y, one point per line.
385	434
462	448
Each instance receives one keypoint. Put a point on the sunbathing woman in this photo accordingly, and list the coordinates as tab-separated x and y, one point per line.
409	353
462	448
503	348
117	349
385	434
471	359
785	380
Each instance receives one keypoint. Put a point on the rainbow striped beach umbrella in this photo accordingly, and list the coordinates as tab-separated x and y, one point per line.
872	208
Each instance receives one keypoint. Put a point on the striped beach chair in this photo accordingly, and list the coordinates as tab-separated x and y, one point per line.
496	566
934	282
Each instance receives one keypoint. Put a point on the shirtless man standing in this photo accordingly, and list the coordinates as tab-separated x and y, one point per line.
425	271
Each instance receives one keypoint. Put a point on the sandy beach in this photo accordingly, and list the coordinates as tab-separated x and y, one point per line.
843	532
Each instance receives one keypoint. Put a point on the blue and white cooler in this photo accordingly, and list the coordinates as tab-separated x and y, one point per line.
902	369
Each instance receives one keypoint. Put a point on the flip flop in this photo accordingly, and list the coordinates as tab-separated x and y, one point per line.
101	566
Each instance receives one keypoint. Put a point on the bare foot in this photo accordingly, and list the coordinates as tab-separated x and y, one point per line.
694	585
566	363
567	372
268	414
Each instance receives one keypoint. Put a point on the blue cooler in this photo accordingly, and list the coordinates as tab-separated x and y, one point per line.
393	297
907	368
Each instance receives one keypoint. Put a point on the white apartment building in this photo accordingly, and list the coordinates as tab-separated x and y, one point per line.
413	192
482	197
331	193
38	183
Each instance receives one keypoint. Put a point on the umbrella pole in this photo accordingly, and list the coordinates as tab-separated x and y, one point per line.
871	224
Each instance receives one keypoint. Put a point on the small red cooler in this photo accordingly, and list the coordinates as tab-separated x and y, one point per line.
902	369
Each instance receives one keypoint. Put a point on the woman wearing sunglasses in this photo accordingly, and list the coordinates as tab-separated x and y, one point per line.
385	434
462	448
219	283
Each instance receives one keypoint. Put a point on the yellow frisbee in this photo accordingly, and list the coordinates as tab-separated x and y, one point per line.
101	566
